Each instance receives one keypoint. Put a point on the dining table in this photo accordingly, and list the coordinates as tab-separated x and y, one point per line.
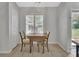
36	37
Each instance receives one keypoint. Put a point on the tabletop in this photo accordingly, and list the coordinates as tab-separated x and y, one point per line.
76	41
36	34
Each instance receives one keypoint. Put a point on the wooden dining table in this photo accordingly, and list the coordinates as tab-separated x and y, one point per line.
36	37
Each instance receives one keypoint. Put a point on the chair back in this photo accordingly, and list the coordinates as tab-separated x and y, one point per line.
48	33
24	35
21	37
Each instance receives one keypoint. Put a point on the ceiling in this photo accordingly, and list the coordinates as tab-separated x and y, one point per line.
38	4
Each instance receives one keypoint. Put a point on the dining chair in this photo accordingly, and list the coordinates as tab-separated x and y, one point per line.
24	40
46	40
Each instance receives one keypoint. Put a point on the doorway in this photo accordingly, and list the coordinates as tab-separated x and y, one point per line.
75	29
75	25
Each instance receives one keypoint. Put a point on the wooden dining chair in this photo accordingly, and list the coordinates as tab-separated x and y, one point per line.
24	41
46	40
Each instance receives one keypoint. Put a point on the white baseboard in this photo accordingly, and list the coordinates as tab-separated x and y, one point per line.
6	52
63	47
52	42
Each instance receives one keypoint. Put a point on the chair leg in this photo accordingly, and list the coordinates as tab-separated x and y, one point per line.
21	47
24	45
43	47
47	46
32	45
38	46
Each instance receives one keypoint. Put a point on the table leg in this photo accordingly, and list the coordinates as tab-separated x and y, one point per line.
30	46
77	52
43	46
38	46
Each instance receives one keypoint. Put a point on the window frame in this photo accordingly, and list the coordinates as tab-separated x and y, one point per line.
34	24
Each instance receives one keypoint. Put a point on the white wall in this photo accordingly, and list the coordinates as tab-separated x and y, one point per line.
29	11
51	23
13	25
70	7
64	24
49	19
8	26
4	28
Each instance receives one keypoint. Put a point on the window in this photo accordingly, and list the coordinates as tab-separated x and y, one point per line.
34	24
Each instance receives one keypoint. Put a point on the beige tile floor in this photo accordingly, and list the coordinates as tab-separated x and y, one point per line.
54	51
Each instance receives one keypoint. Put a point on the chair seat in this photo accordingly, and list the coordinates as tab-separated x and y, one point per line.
26	41
45	39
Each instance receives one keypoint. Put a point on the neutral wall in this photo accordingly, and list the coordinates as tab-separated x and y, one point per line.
29	11
8	26
70	6
62	27
4	28
64	24
49	19
51	23
13	25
